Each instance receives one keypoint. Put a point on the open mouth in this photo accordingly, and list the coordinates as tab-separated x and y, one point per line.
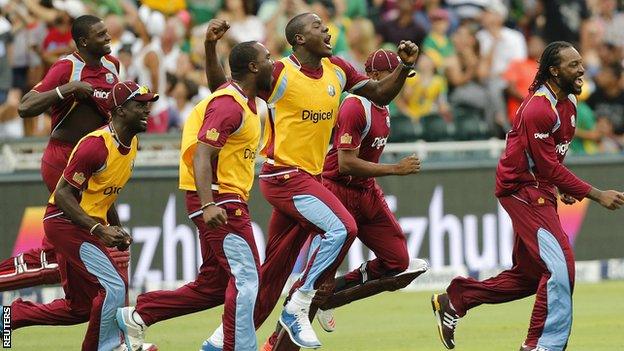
579	81
327	42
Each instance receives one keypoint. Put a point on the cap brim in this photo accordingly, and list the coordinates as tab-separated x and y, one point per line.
146	97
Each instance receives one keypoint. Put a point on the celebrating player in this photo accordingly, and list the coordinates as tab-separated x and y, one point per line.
75	90
528	176
349	172
218	154
76	223
303	102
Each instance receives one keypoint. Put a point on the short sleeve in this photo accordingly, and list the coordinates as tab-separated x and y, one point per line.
354	79
88	157
351	124
57	75
223	117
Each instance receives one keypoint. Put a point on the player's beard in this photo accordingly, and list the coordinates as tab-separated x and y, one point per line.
567	85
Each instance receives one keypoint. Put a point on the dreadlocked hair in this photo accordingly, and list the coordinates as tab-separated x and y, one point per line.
550	57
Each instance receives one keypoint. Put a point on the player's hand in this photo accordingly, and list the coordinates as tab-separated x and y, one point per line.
408	165
81	90
125	244
567	199
611	199
214	216
408	52
216	29
111	236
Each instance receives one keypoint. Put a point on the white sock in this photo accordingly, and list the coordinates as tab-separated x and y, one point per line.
300	299
217	336
136	317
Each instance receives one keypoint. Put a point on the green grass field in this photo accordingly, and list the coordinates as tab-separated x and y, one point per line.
392	322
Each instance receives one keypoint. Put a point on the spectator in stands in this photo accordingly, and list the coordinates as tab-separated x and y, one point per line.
465	90
149	63
10	125
586	136
437	45
607	101
58	41
519	76
499	46
361	42
610	142
170	43
244	25
425	93
564	20
609	22
115	26
181	102
402	27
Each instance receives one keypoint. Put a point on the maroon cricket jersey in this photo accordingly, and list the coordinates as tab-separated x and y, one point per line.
361	124
536	146
71	68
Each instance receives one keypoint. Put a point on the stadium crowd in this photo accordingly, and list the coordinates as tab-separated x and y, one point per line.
477	60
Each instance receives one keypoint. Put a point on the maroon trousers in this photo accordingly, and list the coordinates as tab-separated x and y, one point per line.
543	264
228	274
94	288
378	229
301	205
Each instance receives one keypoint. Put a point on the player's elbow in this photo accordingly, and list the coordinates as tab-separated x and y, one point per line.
24	110
26	107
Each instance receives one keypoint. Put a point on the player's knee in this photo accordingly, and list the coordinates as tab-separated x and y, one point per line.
351	230
116	291
402	261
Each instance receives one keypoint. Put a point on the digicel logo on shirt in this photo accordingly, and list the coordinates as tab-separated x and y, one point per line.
316	116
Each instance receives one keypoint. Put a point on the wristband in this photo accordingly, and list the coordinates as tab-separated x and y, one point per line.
93	228
58	92
211	203
404	65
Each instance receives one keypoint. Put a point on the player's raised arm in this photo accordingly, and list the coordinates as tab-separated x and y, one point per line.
383	91
214	71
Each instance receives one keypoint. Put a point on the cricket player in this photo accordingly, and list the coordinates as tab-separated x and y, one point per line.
219	145
76	223
303	106
350	169
529	176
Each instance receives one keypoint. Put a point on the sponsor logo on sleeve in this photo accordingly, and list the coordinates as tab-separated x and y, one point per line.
212	134
346	138
79	178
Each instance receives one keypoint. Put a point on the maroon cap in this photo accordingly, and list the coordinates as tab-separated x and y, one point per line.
382	60
124	91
